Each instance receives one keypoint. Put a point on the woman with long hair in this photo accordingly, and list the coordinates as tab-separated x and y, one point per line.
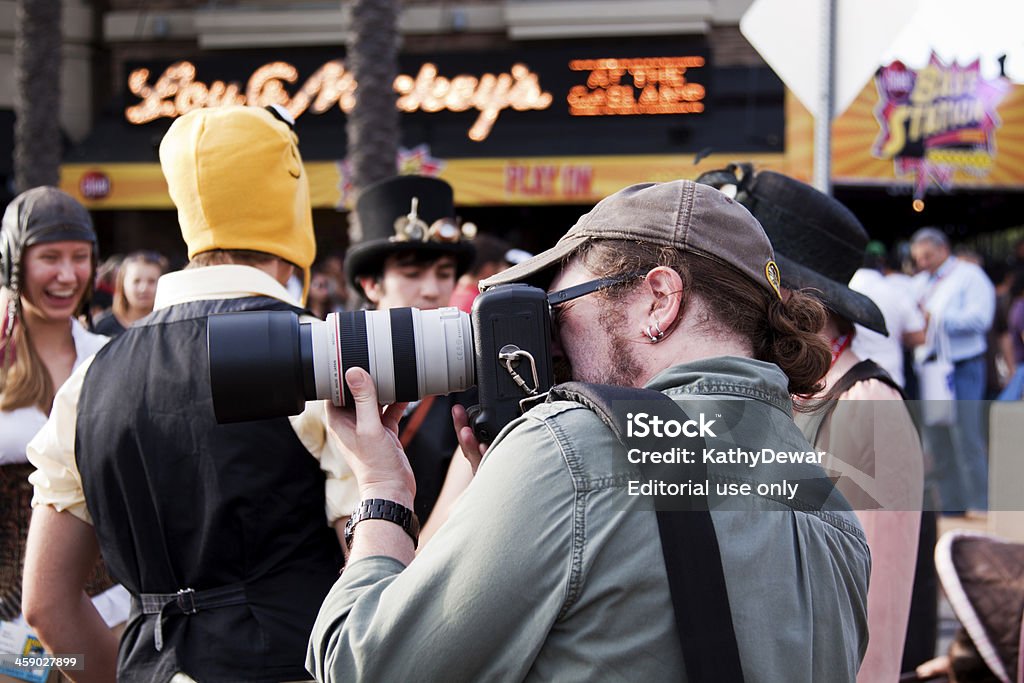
134	291
47	262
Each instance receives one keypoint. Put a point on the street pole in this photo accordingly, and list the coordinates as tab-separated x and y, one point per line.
826	100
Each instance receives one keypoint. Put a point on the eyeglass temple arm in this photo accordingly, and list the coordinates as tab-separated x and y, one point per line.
575	292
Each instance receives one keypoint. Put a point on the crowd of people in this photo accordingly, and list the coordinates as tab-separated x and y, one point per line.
167	547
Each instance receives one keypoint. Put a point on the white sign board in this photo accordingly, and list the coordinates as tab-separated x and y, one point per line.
986	31
788	34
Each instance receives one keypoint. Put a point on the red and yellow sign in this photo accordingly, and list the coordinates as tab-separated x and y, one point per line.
940	125
477	182
937	120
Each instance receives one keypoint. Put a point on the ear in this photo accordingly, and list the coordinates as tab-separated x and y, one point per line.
371	288
285	270
666	291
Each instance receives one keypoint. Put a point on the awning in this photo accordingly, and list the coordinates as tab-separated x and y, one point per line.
477	182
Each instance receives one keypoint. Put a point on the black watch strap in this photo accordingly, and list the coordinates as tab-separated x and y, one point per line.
389	510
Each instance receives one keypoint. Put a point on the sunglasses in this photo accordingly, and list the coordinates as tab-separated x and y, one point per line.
564	296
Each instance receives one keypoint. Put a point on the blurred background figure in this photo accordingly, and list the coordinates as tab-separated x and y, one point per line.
321	300
965	253
47	261
102	299
899	265
1018	253
134	292
903	319
999	357
958	302
491	259
334	266
1014	390
898	269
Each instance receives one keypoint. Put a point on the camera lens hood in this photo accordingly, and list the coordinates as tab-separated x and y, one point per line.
256	366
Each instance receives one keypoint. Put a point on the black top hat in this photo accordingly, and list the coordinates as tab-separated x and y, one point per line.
407	213
819	243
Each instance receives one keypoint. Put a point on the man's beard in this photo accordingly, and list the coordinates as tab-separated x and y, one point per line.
623	368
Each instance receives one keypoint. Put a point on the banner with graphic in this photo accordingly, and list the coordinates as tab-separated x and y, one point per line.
937	126
937	120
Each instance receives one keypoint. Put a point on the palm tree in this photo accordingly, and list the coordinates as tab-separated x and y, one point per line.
37	62
372	125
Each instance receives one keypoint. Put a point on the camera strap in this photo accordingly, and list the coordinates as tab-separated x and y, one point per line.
693	561
419	414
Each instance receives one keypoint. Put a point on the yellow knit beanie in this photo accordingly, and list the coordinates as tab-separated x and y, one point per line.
236	176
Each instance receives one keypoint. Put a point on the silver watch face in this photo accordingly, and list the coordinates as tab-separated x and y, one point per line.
349	525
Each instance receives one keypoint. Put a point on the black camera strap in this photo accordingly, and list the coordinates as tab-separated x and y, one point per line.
693	560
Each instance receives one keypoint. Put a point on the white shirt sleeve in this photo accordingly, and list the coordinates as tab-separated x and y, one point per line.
342	492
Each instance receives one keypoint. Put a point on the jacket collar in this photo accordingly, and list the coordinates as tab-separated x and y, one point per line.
227	281
729	375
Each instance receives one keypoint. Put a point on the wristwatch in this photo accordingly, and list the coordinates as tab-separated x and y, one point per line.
379	508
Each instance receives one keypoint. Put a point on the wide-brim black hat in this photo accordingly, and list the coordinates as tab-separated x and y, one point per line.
819	243
384	209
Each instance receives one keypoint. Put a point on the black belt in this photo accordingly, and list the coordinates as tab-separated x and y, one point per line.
189	601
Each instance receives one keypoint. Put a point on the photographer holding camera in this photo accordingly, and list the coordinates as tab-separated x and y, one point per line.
218	531
549	567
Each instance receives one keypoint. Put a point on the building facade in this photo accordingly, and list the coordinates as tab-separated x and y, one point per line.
532	109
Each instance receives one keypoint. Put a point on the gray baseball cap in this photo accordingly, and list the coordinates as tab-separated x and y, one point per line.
681	214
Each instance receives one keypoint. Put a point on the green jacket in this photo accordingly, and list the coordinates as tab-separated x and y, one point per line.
549	570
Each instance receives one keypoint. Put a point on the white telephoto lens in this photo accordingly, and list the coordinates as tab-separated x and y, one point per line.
327	359
444	357
409	353
381	353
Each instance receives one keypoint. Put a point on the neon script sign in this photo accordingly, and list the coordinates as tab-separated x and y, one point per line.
177	92
658	86
937	120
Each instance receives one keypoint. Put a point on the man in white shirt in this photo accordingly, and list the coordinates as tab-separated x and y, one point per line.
903	318
958	302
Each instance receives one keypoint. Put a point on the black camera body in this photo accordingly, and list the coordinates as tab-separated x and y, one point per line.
511	338
266	364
